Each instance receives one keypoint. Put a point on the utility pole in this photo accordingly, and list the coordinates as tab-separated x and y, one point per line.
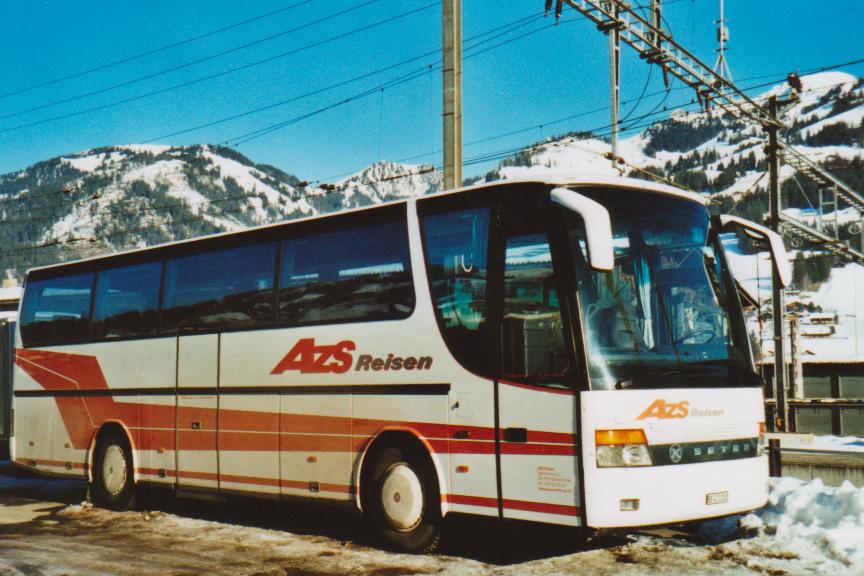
614	84
452	70
777	300
796	370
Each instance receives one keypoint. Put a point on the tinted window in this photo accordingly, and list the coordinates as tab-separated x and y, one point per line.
456	246
223	289
127	301
358	274
57	310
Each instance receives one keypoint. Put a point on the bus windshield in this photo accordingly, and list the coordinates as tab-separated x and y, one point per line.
667	314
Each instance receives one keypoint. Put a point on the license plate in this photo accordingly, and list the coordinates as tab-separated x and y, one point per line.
716	498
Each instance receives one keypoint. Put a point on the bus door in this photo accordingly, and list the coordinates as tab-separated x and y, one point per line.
536	403
249	419
197	405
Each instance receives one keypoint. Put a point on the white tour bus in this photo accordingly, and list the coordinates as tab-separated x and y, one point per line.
562	351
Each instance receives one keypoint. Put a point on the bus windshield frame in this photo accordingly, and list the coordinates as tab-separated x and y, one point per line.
668	314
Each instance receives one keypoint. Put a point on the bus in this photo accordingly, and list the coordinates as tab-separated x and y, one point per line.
565	351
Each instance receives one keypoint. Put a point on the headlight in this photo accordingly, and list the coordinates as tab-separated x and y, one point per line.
622	448
626	455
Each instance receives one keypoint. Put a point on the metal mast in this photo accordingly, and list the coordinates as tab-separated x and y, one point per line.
721	67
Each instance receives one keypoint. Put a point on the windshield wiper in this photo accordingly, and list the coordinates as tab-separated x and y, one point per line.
661	372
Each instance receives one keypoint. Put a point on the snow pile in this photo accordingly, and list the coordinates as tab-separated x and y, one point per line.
822	526
839	443
844	290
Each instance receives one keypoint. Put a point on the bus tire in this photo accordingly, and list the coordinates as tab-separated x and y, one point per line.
113	482
401	501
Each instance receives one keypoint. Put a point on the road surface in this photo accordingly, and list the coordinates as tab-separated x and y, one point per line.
47	528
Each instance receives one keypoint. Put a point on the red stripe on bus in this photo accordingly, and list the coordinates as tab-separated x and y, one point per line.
250	480
481	501
152	424
524	505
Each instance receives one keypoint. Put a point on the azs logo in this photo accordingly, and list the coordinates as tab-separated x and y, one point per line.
662	409
308	358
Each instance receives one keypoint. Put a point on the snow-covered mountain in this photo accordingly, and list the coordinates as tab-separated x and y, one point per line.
717	154
116	198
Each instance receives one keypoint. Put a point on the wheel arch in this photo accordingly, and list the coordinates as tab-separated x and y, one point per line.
106	428
406	438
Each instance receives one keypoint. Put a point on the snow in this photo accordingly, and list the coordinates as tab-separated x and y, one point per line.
154	149
824	81
805	528
824	153
844	289
568	156
746	183
823	526
85	163
10	292
811	217
841	294
852	117
839	443
250	179
383	181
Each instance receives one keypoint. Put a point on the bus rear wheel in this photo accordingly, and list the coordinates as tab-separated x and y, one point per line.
113	483
401	501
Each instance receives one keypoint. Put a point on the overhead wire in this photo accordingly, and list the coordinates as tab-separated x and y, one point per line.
257	133
195	62
220	73
151	52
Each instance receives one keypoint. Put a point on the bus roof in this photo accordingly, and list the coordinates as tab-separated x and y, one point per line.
549	180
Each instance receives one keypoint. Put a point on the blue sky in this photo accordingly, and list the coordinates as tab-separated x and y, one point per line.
521	86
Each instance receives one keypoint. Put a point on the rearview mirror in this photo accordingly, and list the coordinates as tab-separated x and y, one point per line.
775	242
598	228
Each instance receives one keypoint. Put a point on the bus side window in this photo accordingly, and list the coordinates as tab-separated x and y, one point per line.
57	310
358	274
456	246
230	288
127	301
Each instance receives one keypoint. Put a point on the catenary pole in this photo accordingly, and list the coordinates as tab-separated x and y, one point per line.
452	70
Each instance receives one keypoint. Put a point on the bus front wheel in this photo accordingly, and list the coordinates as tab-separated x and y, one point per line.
113	483
401	501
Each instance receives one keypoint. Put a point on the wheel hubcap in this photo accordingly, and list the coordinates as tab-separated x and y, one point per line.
402	497
114	470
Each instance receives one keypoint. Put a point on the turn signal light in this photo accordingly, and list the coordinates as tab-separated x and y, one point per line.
616	437
760	442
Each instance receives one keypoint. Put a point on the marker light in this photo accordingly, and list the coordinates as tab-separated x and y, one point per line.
622	448
760	443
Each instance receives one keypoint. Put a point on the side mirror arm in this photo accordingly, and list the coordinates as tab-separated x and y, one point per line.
598	227
778	251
